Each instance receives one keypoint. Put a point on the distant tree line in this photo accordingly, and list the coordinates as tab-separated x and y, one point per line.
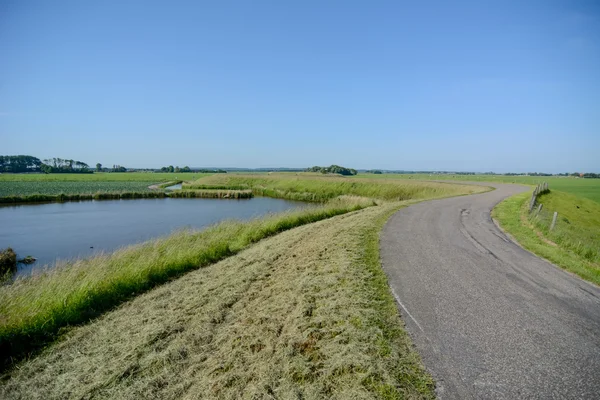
170	168
20	163
118	168
588	175
23	163
333	169
374	171
59	165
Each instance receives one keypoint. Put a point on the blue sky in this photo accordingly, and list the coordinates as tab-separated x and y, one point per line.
448	85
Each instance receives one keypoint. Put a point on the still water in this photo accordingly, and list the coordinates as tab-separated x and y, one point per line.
78	229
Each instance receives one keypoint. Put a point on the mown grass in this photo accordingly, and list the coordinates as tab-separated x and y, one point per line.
574	244
587	188
311	187
34	309
335	332
305	314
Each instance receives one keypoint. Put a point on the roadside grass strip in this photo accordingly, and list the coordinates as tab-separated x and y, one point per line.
574	243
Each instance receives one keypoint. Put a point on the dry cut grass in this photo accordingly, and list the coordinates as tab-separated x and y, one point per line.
306	315
34	309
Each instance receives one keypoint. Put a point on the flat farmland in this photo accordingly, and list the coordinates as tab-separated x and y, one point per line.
16	188
70	184
587	188
153	177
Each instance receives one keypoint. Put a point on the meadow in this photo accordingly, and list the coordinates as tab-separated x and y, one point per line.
304	314
321	188
295	304
152	177
24	188
321	286
27	188
588	188
574	243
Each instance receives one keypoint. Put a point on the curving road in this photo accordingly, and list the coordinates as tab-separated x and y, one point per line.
490	320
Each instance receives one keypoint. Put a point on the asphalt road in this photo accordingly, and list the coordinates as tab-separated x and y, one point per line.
490	320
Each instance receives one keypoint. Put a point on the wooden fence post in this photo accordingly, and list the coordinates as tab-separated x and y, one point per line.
554	220
532	202
539	209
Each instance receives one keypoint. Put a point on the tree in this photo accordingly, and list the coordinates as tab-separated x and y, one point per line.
333	169
98	167
20	163
119	168
171	168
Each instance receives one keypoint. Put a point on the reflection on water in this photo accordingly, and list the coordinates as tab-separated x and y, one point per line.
78	229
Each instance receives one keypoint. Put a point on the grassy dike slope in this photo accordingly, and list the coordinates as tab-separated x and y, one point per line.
34	310
305	314
574	244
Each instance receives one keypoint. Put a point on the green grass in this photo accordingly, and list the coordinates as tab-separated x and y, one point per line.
46	198
67	187
588	188
319	188
213	194
27	188
326	290
574	244
152	177
298	315
34	309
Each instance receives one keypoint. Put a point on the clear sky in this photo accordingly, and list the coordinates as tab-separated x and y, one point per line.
447	85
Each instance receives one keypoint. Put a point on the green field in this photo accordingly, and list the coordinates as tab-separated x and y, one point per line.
321	188
25	187
152	177
574	244
588	188
301	315
16	188
310	308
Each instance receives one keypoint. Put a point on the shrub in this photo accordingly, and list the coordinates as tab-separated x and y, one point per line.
8	261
